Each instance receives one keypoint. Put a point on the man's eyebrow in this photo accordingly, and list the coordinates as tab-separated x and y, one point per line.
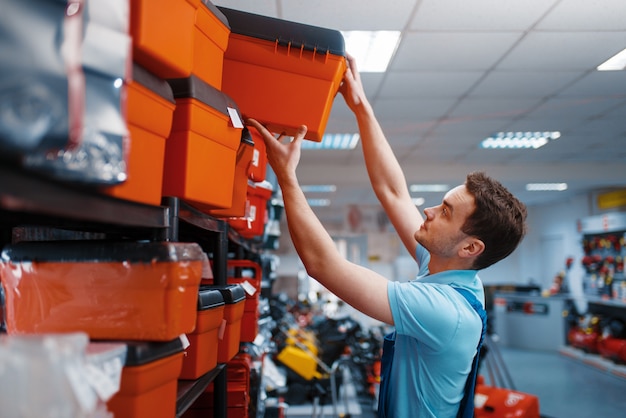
447	203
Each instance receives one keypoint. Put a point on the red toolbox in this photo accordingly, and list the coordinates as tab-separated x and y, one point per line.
201	355
150	106
149	383
230	332
283	73
252	224
109	290
490	401
248	274
201	152
210	39
163	35
258	167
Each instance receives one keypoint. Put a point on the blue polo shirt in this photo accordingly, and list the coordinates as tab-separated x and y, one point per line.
436	335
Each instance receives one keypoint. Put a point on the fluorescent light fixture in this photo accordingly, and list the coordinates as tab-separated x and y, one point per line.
616	63
429	187
319	188
372	50
318	202
546	187
334	142
418	201
519	140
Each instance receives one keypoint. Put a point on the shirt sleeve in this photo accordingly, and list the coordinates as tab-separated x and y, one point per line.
424	311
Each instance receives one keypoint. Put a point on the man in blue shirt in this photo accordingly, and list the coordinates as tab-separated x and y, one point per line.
437	329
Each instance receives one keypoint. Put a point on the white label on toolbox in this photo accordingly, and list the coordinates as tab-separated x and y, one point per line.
248	287
479	400
184	340
234	118
256	157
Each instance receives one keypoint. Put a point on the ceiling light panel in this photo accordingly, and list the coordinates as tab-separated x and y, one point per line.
546	187
371	49
519	140
616	63
334	142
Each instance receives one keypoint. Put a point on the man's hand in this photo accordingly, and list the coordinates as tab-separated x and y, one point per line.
282	156
351	87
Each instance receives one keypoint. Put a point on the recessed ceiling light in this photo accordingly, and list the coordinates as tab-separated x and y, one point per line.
318	202
616	63
429	187
372	50
418	201
319	188
546	187
519	140
334	142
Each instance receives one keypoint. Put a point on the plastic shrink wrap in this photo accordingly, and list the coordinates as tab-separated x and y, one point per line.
58	376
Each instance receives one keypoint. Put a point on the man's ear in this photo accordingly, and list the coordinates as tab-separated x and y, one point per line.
472	247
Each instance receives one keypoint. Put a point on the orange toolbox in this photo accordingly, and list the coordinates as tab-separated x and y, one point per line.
210	39
149	382
230	332
282	73
201	151
109	290
252	224
245	155
150	106
201	355
163	35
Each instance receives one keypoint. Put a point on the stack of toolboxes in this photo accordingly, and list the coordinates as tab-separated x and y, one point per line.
152	105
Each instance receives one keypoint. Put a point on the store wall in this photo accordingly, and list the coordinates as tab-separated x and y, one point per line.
552	238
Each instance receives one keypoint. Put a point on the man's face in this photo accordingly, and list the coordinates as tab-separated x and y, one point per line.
441	231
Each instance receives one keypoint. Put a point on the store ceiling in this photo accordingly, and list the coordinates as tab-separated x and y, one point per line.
467	69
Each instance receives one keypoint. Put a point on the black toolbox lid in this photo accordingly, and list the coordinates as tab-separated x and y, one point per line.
209	298
194	87
143	352
297	35
232	293
213	9
153	83
101	251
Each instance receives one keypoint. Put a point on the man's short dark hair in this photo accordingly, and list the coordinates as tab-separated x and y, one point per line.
499	219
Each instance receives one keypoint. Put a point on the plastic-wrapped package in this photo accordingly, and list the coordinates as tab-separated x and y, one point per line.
51	375
42	85
105	56
110	290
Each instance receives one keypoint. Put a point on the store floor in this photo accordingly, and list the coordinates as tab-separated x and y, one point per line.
567	387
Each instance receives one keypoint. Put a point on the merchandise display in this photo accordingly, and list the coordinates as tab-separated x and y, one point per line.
140	225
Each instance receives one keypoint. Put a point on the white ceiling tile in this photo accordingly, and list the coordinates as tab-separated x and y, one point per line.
467	51
492	108
586	15
261	7
412	110
491	15
599	83
563	108
346	15
428	84
563	51
524	84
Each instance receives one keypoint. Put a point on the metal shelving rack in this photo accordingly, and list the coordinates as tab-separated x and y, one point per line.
27	199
